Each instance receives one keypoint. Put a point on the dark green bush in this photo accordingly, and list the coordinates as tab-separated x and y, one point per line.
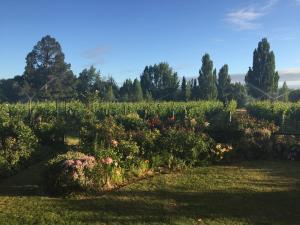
253	138
17	143
186	145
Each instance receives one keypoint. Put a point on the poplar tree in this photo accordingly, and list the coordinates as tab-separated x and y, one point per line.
207	79
224	87
262	79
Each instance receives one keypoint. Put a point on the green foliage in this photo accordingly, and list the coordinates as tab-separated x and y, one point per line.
160	81
132	121
46	73
147	140
275	111
207	79
137	92
185	90
186	145
239	94
17	143
253	138
284	93
88	84
224	87
262	75
294	95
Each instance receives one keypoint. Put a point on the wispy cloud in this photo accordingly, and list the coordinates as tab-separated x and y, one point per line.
247	18
96	54
297	2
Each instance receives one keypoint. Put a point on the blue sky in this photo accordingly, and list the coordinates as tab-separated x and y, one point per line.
121	37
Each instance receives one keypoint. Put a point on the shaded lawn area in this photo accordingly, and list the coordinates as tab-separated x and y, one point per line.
244	193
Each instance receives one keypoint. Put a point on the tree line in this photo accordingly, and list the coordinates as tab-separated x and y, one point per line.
48	76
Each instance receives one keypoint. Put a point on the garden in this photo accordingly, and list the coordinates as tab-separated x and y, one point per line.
173	162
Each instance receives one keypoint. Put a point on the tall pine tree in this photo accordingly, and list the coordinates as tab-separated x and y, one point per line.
224	84
284	93
207	79
46	73
262	79
137	93
185	90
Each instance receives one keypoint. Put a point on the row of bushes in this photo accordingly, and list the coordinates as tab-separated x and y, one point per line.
274	111
125	147
117	147
24	128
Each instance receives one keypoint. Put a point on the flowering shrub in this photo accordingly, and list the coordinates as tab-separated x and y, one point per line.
220	151
132	121
154	123
128	150
287	147
147	142
254	137
96	135
67	172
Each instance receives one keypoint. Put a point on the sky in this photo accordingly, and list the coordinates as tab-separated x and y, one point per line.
121	37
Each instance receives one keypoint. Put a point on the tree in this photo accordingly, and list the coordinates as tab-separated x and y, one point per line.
224	87
126	91
194	89
160	81
262	79
137	93
284	93
110	96
207	80
46	73
88	83
238	93
185	90
294	95
10	89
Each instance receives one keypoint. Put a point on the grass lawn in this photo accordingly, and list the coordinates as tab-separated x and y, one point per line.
245	193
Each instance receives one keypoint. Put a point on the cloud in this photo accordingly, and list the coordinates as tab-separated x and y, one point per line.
290	71
297	2
96	54
247	18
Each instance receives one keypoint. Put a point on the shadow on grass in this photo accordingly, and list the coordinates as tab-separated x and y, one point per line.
163	206
274	168
166	204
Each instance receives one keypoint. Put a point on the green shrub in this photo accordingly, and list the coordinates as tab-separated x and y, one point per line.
287	147
96	134
253	138
132	121
147	142
17	143
186	145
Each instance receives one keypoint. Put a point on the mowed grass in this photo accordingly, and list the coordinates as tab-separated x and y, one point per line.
244	193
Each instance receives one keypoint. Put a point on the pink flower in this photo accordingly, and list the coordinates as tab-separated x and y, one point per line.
68	163
78	162
107	161
75	175
114	143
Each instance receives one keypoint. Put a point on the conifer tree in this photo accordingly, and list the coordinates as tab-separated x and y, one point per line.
262	79
207	79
